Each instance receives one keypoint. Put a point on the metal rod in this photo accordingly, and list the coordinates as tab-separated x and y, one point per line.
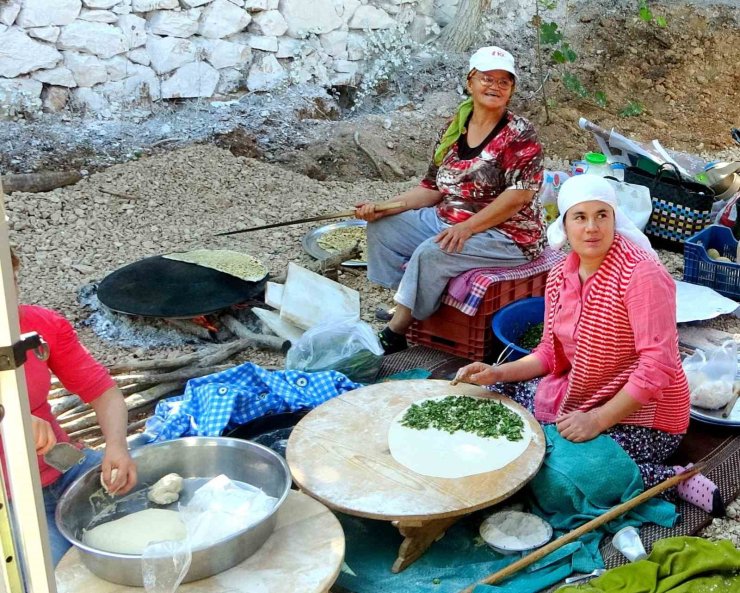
343	214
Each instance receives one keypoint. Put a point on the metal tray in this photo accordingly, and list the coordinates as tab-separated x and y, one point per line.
715	416
311	245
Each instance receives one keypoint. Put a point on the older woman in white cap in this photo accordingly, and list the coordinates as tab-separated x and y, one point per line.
474	208
609	357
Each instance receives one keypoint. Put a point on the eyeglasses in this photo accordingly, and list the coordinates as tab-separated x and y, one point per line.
490	81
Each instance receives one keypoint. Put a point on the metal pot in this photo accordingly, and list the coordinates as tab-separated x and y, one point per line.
723	179
191	457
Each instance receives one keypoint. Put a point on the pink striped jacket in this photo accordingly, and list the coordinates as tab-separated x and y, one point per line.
605	354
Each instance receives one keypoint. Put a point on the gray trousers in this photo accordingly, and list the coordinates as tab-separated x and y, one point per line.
408	238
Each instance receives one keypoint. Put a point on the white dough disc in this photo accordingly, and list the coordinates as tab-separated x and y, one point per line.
132	533
436	453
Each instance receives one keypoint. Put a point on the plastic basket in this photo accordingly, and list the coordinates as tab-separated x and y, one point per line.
699	268
510	323
451	330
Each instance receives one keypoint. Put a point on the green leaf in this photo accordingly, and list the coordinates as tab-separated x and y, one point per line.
660	21
574	85
600	98
549	34
570	55
645	13
558	57
632	109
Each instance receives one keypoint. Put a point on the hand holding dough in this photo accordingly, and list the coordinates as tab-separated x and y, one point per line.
113	475
166	490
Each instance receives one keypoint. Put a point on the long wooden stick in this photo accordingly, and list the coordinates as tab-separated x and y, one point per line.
611	514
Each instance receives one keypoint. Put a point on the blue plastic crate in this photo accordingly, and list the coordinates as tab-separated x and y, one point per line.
510	323
699	268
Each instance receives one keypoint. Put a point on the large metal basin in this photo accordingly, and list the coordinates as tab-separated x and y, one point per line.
192	457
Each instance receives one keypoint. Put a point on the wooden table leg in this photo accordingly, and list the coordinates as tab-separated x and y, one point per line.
418	536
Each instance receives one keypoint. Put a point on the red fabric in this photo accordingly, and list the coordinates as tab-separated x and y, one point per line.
616	332
69	361
511	160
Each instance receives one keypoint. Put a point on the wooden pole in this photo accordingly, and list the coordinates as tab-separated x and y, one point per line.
610	515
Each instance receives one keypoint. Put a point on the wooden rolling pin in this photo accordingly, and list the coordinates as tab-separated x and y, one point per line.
611	514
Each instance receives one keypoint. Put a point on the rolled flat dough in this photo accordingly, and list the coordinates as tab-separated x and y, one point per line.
436	453
132	533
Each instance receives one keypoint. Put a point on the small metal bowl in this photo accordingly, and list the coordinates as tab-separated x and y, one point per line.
191	457
501	547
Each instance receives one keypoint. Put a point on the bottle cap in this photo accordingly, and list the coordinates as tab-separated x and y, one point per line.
597	158
618	166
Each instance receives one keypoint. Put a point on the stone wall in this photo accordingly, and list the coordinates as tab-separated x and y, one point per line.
99	55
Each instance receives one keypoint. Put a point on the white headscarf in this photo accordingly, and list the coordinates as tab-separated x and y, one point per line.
584	188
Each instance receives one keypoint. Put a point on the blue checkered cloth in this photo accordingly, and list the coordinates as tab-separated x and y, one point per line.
240	394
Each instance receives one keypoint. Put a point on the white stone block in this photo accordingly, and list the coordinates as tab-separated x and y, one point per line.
139	56
269	44
177	24
41	13
98	16
102	40
347	8
134	29
369	17
118	68
266	75
229	81
149	5
288	48
356	46
121	9
59	76
19	95
335	44
306	17
257	5
87	70
50	34
169	53
104	4
192	80
19	54
194	3
345	66
269	23
91	101
142	84
9	12
221	18
226	54
423	28
425	7
239	3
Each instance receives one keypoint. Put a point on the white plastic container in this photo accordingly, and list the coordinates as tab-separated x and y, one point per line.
596	164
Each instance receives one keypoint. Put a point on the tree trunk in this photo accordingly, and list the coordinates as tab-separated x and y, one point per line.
460	33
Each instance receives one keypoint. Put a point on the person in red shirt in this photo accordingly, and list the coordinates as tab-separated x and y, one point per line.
73	365
475	207
608	360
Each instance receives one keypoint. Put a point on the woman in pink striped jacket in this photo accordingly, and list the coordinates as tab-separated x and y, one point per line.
608	361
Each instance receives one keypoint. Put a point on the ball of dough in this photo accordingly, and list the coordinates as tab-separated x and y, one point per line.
132	533
166	490
113	476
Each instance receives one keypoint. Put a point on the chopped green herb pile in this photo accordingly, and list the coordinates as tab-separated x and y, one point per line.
532	335
482	417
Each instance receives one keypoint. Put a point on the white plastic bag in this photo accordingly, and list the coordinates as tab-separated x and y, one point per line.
345	345
711	375
634	200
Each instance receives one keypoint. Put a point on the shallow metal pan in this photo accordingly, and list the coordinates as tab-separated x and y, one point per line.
311	245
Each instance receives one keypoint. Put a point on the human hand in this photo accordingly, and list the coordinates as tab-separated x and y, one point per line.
452	239
478	373
579	427
123	478
366	211
43	435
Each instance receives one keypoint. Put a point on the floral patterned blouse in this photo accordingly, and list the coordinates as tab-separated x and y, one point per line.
471	178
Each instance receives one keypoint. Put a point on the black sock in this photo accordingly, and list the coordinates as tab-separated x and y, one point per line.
392	341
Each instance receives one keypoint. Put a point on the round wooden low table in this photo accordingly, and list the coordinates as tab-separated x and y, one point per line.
339	454
304	553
